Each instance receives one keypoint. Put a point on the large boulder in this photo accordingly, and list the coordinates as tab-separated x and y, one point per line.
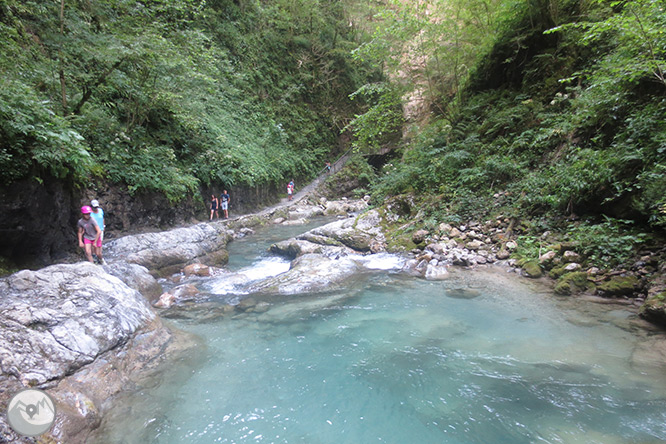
654	307
60	318
64	321
167	248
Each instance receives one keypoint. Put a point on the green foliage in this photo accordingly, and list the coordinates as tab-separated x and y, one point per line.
382	122
611	242
170	95
529	248
35	141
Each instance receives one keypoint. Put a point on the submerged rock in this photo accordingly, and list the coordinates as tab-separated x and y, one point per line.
462	293
436	272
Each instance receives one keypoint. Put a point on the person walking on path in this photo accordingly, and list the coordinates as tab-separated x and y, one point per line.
213	208
98	215
88	232
290	189
225	201
328	167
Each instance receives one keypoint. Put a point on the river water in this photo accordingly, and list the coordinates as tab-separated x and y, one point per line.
481	358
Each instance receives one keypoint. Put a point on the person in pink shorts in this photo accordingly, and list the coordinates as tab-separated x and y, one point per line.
89	232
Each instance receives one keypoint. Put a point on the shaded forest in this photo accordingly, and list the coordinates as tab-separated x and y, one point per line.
170	96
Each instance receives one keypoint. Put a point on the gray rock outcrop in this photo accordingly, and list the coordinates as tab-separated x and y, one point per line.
66	319
174	247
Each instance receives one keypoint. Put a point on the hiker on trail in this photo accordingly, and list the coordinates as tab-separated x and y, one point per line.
225	201
213	207
89	232
328	167
290	189
98	215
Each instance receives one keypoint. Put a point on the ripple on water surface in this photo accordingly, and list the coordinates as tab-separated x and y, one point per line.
479	358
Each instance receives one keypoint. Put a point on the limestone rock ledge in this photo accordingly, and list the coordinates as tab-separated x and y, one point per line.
82	335
168	248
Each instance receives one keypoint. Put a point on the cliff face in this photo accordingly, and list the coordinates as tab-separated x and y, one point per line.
38	221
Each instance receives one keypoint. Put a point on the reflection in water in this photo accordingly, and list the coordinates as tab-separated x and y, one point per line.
479	358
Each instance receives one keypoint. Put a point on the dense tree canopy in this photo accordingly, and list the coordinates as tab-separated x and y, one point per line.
557	105
169	95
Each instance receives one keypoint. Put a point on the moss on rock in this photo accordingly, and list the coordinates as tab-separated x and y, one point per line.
620	286
557	272
654	308
532	269
572	283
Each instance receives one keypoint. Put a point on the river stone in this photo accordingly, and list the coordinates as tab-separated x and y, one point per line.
547	257
532	269
572	283
309	273
445	228
196	270
570	256
654	308
419	236
247	304
481	260
474	245
436	272
573	266
215	259
454	232
165	300
437	248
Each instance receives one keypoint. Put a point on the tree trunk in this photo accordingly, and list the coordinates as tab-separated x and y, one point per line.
61	71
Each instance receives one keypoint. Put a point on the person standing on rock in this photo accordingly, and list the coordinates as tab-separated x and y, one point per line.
89	232
225	201
98	215
213	208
